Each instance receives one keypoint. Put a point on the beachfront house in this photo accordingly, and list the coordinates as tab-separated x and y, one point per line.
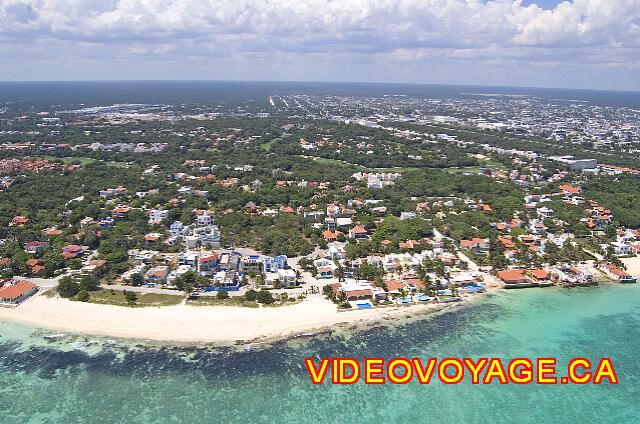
157	275
616	273
325	268
15	293
287	277
514	278
94	269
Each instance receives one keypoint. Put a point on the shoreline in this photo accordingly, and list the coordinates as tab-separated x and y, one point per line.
208	325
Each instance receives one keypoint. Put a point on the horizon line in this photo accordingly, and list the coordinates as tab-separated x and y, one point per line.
320	82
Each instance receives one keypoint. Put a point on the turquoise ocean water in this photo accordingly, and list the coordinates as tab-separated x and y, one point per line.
44	381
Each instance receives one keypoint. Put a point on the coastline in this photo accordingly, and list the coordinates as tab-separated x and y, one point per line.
184	324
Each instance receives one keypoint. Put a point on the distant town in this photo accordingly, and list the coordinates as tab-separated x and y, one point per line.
366	202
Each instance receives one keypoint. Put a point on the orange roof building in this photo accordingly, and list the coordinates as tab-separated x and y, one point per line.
17	292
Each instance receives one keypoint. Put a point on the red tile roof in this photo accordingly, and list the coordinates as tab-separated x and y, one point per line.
33	262
570	189
393	285
511	275
358	230
540	274
16	290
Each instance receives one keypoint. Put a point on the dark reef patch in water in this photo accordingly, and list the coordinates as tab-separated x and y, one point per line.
139	360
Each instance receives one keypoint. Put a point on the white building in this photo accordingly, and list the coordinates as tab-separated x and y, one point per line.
157	216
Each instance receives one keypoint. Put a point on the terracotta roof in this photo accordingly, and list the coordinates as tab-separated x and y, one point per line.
33	262
540	274
570	189
72	248
36	269
16	290
616	271
393	285
511	275
366	292
466	243
358	230
416	282
329	235
214	256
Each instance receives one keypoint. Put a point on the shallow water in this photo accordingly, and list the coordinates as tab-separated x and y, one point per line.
57	381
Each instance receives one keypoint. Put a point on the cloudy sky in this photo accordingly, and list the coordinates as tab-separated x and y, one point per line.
579	43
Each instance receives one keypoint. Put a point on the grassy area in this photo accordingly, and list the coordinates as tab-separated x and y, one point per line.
489	163
396	169
336	162
109	297
118	164
484	164
213	301
468	169
267	146
50	293
236	301
82	160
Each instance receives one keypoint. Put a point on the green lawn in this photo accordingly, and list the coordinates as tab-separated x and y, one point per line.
83	160
115	297
267	146
469	169
213	301
396	169
118	164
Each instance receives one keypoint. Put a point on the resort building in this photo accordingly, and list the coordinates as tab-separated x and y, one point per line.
15	293
616	273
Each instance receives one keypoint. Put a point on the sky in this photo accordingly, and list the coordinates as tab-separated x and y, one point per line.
542	43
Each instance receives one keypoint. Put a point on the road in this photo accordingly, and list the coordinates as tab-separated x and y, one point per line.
43	283
472	265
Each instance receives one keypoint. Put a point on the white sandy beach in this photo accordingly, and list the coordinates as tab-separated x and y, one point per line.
633	265
198	324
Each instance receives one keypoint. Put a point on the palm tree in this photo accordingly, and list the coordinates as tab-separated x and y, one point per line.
427	284
454	290
403	292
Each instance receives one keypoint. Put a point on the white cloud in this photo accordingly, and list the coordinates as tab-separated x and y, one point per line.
593	33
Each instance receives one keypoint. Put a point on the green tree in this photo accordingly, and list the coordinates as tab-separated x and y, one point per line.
265	297
89	284
328	292
130	297
222	294
83	296
67	287
137	279
250	295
